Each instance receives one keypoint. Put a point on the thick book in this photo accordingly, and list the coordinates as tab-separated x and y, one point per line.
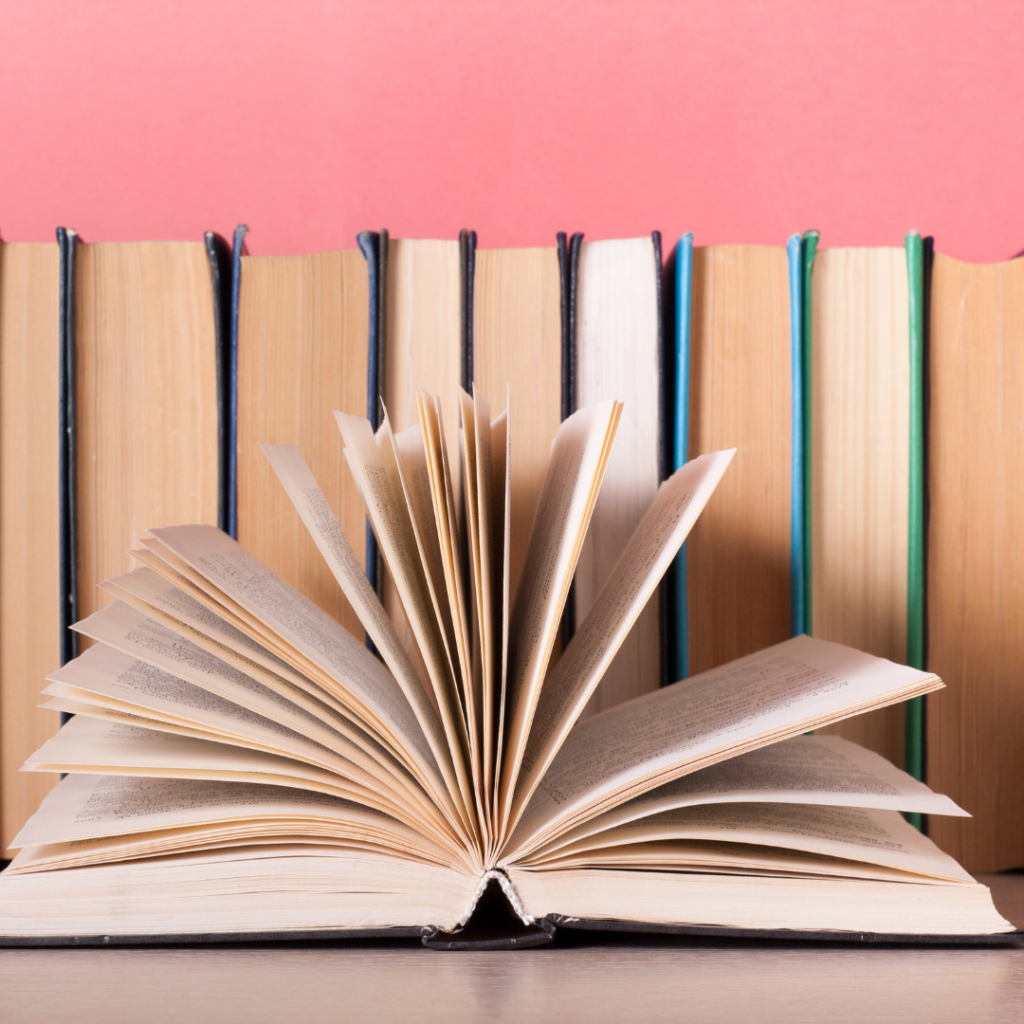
240	766
146	321
30	400
975	602
863	519
301	350
735	388
619	352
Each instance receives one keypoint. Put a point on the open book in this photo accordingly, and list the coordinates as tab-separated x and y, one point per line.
238	765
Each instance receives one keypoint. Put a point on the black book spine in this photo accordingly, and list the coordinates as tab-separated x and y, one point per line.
231	384
221	276
67	241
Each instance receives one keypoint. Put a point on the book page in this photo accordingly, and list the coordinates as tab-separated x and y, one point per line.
131	685
636	575
126	629
579	456
312	633
103	747
392	525
851	833
90	806
501	446
782	691
815	770
318	518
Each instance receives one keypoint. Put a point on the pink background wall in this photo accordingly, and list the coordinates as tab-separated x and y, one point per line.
741	120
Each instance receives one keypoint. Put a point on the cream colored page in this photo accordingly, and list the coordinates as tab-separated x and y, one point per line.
300	623
84	806
92	742
617	357
128	630
814	770
501	445
110	673
771	695
578	457
394	531
443	502
647	556
332	543
852	833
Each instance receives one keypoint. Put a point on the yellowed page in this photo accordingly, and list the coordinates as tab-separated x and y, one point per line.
851	833
312	507
655	542
393	527
813	770
312	633
578	460
779	692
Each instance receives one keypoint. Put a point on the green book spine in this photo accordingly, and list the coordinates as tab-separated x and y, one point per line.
915	535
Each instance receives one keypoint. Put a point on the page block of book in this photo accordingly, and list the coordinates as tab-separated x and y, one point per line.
303	326
617	357
29	519
976	558
738	556
146	392
860	465
517	324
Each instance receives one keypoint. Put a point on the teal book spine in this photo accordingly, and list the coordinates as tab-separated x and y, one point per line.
679	649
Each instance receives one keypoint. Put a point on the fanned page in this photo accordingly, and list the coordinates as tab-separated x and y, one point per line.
223	718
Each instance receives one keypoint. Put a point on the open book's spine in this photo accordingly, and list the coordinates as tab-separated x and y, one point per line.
230	469
374	247
681	272
221	276
67	241
569	268
920	256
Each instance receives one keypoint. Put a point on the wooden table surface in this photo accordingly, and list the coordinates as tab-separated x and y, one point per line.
643	980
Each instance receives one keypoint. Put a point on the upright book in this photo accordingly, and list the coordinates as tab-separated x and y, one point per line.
976	556
240	766
301	348
30	439
863	524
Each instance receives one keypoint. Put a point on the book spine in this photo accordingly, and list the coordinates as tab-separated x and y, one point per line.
221	276
374	247
231	384
467	264
808	250
797	546
67	241
570	294
918	278
679	636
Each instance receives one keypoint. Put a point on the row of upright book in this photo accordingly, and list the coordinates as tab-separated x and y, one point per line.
875	396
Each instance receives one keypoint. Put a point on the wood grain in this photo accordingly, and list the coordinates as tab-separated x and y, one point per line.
976	559
517	341
860	459
147	400
303	334
29	520
738	556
